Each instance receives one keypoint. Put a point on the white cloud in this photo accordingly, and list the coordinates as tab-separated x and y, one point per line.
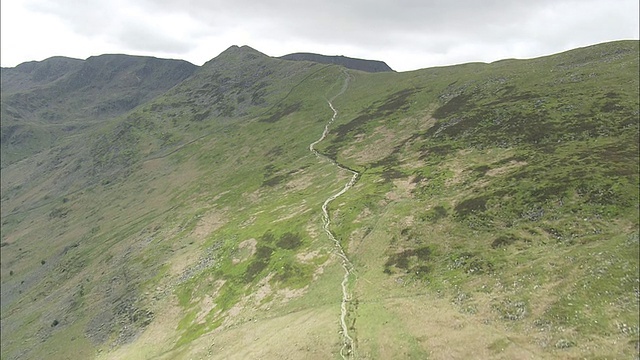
407	34
28	35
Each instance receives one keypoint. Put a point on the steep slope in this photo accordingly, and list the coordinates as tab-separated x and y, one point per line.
31	74
55	98
495	216
372	66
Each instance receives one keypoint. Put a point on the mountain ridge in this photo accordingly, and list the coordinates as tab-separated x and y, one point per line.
100	87
348	62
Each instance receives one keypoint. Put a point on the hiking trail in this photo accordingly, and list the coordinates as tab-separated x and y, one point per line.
348	345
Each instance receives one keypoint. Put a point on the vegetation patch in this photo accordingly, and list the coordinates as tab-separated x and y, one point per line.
411	261
503	241
471	206
289	241
510	309
281	111
434	214
261	258
470	263
454	105
293	274
397	101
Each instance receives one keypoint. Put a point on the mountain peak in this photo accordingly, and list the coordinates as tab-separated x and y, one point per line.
236	53
235	50
351	63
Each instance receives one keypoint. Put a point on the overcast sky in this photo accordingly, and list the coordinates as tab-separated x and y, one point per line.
406	34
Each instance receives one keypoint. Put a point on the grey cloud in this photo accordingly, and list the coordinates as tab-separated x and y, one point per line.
89	17
371	23
145	38
370	26
114	24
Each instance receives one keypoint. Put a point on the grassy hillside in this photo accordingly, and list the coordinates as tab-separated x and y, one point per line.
495	215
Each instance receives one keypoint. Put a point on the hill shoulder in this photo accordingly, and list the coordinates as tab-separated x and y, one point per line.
348	62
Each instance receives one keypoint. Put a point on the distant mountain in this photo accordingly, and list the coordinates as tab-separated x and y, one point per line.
65	94
29	75
350	63
132	79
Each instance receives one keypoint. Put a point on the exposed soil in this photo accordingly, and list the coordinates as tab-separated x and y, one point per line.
246	249
208	223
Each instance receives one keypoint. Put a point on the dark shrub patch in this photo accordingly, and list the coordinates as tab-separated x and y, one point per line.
353	126
481	170
282	111
471	206
388	174
503	241
254	269
262	257
331	151
275	180
388	161
429	152
435	214
274	152
422	253
267	238
388	171
396	101
403	260
290	241
455	104
422	271
455	127
263	253
399	260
